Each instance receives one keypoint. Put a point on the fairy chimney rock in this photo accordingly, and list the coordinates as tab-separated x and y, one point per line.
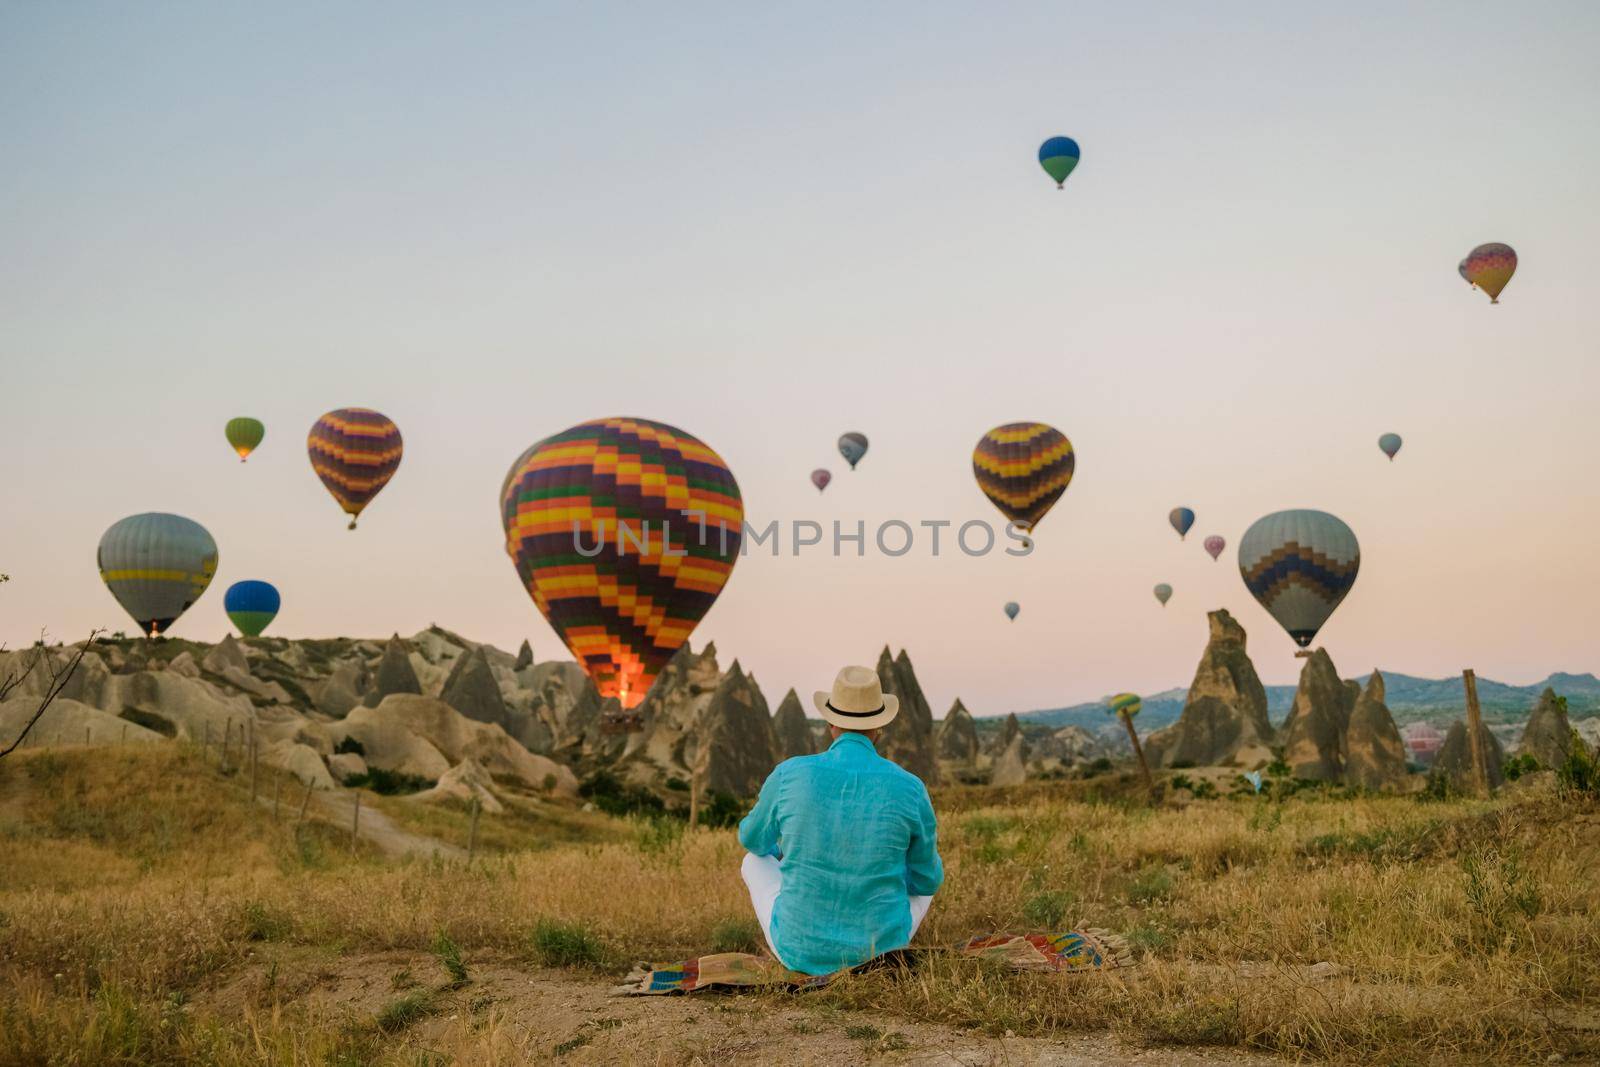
957	736
1375	754
790	729
1548	735
1224	718
908	740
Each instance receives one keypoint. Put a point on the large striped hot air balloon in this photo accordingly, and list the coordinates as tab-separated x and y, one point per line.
1181	519
623	531
1059	156
852	446
244	434
1299	565
1023	468
156	565
251	606
1490	267
355	452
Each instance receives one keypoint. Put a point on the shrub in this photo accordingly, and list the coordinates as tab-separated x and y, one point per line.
450	958
389	783
737	935
558	944
1517	766
1048	910
350	744
1580	773
611	796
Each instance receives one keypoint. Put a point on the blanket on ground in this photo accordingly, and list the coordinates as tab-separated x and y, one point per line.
1070	952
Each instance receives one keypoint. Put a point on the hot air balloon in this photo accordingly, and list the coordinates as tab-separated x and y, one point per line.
1058	156
1461	269
1214	546
1254	778
1023	468
1390	444
820	478
355	452
852	446
1181	519
251	606
623	531
244	434
1125	706
1299	565
1490	267
1163	593
156	565
1011	609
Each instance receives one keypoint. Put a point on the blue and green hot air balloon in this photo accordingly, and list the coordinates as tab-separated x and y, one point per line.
1058	156
251	605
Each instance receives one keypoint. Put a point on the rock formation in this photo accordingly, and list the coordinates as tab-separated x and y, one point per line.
1375	754
224	654
67	723
1314	734
1548	735
1454	760
791	731
1070	745
395	674
1010	732
1010	767
957	737
473	690
342	689
739	749
465	782
1224	720
524	656
908	740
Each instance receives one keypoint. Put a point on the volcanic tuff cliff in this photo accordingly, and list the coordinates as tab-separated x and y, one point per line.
957	736
1375	754
1454	761
790	728
1548	735
1314	734
1224	719
908	740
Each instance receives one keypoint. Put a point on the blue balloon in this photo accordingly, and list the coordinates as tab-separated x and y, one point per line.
1254	778
251	605
1181	519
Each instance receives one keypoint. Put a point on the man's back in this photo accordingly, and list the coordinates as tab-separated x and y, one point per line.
856	835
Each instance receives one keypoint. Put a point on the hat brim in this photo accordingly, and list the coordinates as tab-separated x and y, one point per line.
845	721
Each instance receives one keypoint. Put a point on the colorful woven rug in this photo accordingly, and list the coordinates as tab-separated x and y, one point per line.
1071	952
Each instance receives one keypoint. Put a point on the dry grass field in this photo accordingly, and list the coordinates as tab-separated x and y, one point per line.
149	913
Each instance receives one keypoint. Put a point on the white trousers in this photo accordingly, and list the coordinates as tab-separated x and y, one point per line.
763	875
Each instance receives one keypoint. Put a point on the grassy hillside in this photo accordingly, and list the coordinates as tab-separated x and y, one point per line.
150	914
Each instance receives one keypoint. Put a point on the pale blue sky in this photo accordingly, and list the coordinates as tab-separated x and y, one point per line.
771	227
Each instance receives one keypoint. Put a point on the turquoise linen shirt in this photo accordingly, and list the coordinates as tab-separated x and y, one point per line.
855	836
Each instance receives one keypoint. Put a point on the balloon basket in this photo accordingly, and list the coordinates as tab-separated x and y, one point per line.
1304	653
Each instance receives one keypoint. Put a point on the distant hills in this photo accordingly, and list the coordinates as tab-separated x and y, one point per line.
1410	698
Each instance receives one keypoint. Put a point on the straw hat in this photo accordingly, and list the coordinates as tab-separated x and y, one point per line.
858	701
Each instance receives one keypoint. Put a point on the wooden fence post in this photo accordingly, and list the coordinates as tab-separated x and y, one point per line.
303	804
277	791
124	733
355	823
252	771
1480	768
472	834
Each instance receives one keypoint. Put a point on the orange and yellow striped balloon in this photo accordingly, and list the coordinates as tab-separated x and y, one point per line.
355	452
1023	468
624	532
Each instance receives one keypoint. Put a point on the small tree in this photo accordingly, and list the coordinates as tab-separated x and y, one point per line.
58	678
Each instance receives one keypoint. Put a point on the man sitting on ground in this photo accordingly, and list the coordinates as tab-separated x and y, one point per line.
843	859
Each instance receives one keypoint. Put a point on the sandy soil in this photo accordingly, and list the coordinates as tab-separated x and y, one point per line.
557	1016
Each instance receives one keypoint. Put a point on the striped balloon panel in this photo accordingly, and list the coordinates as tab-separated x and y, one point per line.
244	435
1126	704
1023	468
1181	519
601	521
156	565
355	452
1490	267
251	605
1299	565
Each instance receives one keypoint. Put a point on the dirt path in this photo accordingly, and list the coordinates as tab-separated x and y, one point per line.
338	806
508	1012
